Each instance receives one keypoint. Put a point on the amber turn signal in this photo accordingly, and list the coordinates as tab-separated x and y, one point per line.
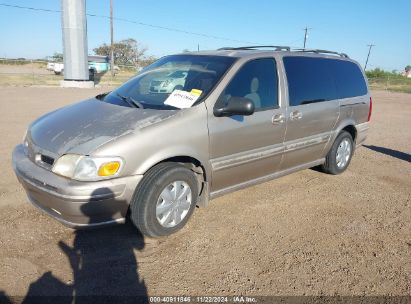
108	169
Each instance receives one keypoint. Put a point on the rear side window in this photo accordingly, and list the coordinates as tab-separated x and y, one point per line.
309	80
349	78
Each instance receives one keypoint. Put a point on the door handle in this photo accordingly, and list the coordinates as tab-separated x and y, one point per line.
295	115
277	119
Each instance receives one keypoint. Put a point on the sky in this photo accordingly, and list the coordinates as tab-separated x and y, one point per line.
345	26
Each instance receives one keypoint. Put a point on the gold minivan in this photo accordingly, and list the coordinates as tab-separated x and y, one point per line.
240	116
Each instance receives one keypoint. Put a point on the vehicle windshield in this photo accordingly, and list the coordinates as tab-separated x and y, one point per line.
178	74
154	84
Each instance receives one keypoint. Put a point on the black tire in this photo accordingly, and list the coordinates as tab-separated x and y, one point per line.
91	74
330	166
143	205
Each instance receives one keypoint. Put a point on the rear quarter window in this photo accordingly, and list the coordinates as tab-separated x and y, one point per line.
312	79
349	79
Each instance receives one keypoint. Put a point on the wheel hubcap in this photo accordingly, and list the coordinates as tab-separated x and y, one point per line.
173	204
343	153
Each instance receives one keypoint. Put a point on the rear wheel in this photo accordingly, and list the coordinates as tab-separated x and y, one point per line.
164	199
339	156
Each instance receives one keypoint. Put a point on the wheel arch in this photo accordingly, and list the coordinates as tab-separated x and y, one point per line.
193	163
352	130
347	125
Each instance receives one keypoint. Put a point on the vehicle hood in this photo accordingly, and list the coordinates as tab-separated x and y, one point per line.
85	126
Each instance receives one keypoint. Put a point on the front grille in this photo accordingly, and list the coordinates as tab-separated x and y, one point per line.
47	159
39	156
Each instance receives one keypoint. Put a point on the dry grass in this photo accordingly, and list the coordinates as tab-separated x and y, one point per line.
36	74
395	84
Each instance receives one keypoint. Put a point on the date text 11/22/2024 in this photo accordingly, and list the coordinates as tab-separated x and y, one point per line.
203	299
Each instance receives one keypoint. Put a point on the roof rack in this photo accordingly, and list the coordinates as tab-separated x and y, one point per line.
275	47
317	51
282	48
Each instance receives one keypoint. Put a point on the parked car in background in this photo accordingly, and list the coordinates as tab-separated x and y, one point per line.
100	64
96	65
58	68
242	116
50	66
169	83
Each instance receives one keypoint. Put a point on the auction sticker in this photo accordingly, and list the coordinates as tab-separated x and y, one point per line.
182	99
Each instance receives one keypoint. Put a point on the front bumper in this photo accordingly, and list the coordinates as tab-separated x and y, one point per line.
73	203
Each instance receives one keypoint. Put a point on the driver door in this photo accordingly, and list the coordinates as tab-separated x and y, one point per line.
246	148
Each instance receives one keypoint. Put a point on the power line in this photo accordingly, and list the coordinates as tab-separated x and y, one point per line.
30	8
368	56
134	22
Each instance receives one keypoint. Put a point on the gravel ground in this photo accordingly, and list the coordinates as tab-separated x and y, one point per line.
304	234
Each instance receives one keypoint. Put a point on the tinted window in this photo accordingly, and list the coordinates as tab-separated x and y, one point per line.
258	81
349	78
309	80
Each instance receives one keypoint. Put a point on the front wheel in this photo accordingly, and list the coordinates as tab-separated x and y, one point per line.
339	156
164	199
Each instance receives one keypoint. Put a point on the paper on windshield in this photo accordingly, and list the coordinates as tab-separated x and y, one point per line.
182	99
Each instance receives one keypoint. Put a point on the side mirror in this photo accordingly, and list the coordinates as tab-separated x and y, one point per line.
235	106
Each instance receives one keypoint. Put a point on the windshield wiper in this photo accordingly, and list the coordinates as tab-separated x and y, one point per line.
135	102
130	101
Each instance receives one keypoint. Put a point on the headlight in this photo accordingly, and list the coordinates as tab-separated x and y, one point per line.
87	168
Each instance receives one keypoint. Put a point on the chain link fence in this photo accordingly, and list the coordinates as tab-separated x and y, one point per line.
23	72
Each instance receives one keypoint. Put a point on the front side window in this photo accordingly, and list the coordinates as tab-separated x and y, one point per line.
155	83
256	80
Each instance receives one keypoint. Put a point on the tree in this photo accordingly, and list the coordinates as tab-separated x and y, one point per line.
147	61
57	57
126	52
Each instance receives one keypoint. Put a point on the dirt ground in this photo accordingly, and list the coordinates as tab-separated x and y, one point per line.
304	234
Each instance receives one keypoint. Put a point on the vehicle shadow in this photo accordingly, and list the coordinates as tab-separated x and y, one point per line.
394	153
104	266
4	299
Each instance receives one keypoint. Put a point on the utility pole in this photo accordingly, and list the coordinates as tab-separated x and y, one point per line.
75	49
305	35
198	47
368	56
112	40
